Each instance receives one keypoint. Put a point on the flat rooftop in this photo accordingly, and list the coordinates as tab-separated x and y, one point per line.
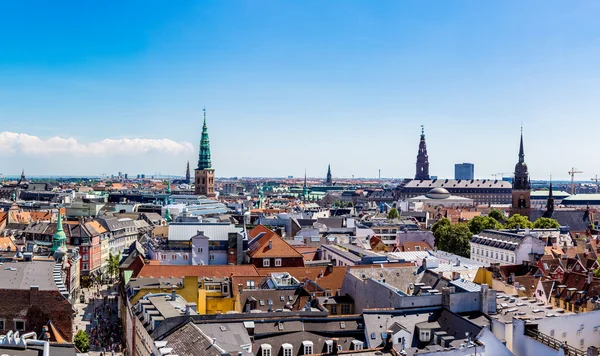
525	308
23	275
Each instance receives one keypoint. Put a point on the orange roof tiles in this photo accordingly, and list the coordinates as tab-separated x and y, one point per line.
40	215
412	246
7	242
279	247
165	271
332	280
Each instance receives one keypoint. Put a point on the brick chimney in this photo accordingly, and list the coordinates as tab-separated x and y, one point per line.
334	350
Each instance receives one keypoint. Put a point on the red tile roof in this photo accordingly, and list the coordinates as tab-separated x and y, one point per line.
333	280
279	247
165	271
412	246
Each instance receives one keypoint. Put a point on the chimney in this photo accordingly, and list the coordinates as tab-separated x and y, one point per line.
173	295
329	268
335	346
455	275
388	340
590	277
270	244
592	351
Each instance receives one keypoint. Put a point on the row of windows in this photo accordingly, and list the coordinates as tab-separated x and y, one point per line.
185	257
19	325
345	309
288	349
490	254
267	262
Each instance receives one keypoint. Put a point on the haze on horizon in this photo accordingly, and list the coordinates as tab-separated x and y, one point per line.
92	88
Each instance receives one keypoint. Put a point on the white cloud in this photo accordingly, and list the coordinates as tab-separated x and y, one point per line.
18	143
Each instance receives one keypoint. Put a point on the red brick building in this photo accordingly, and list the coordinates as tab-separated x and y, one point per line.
30	299
267	249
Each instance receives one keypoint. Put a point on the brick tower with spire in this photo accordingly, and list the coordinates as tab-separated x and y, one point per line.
204	173
422	158
521	192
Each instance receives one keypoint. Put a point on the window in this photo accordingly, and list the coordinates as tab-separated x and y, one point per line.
164	257
199	249
249	284
212	257
173	257
357	344
266	262
345	308
329	344
85	267
225	289
262	303
266	349
185	257
2	322
287	349
333	309
342	325
278	262
20	325
85	257
308	347
84	249
280	326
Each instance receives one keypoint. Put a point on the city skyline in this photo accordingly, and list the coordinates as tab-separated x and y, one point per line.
345	80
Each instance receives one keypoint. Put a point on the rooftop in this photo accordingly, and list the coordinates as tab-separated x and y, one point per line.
24	275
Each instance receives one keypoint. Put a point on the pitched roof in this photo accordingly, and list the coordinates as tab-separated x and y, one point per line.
412	246
150	270
259	246
326	280
571	218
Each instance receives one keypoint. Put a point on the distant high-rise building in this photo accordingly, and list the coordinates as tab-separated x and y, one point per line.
329	179
464	171
422	158
521	189
204	174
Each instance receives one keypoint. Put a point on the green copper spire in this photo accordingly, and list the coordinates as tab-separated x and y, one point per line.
204	157
59	239
169	187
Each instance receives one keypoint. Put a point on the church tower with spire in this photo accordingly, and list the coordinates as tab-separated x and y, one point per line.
550	202
422	158
329	180
204	173
59	239
521	190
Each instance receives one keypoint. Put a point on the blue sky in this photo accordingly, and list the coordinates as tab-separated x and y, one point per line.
295	84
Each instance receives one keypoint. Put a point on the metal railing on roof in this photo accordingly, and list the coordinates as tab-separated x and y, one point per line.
553	343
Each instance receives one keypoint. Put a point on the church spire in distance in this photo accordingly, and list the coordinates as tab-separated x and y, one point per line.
204	156
422	158
329	178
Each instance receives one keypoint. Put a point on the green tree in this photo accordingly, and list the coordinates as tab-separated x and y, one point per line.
82	342
546	223
393	214
113	264
455	239
480	223
597	271
518	220
439	228
496	215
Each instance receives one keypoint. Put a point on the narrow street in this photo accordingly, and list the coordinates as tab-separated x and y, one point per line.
98	316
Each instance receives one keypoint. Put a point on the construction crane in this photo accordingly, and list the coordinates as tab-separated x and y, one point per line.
572	173
596	179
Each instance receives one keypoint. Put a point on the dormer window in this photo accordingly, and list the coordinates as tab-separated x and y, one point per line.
329	344
357	345
266	349
287	349
308	347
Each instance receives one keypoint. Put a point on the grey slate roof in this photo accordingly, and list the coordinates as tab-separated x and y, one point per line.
571	218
